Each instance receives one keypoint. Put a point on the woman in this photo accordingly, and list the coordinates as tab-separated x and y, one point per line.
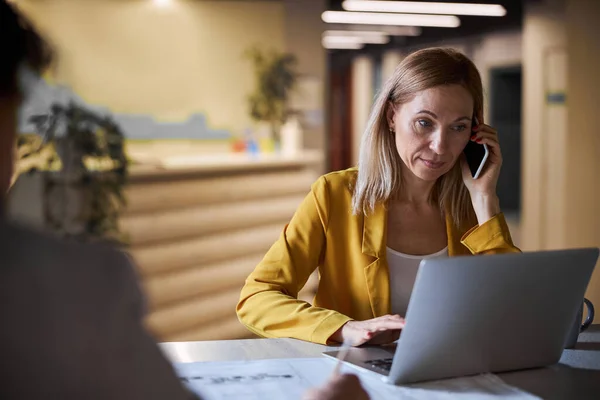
367	229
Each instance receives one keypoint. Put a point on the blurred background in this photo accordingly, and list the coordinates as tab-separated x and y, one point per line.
189	131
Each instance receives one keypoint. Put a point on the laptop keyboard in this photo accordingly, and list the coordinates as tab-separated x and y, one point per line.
384	364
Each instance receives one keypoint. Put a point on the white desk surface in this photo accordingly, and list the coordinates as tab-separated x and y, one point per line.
576	377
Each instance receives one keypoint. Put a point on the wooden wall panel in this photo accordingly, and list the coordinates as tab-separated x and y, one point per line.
196	237
195	221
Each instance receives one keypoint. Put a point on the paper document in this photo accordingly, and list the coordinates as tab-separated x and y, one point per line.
289	378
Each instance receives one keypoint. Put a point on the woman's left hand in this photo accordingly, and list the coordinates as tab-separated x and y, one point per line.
483	189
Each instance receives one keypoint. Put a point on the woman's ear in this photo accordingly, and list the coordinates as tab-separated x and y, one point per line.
389	115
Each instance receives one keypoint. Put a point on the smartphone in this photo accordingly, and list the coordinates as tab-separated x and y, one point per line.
476	154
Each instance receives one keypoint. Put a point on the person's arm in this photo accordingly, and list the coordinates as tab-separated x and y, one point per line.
143	370
491	234
492	237
269	304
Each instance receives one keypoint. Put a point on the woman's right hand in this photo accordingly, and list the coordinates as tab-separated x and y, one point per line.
380	330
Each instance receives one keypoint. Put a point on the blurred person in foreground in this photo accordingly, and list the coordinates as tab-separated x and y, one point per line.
71	315
366	229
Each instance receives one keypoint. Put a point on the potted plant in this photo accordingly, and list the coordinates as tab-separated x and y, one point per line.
275	77
81	156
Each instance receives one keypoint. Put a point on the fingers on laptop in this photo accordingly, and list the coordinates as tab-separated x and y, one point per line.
380	330
386	322
384	337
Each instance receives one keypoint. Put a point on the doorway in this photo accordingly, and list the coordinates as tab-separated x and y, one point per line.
505	116
339	142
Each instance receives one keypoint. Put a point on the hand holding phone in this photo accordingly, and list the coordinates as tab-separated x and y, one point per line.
476	154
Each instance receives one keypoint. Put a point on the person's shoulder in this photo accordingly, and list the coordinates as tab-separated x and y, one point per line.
338	181
17	237
21	242
26	248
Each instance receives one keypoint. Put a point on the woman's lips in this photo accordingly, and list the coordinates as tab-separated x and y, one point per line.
432	164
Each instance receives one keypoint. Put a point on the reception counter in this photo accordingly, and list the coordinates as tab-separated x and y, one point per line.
197	226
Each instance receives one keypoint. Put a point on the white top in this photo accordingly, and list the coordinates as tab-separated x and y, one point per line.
403	272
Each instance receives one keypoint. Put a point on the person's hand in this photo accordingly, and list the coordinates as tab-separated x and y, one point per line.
340	387
483	189
380	330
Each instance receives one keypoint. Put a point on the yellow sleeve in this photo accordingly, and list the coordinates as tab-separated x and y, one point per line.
493	237
269	304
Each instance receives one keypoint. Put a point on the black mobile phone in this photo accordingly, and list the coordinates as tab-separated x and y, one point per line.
476	154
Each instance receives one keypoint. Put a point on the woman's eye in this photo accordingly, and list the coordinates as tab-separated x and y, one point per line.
424	123
460	128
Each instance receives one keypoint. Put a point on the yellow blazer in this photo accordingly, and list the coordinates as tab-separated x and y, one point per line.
349	251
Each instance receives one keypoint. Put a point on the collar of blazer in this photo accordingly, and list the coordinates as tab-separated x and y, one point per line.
374	244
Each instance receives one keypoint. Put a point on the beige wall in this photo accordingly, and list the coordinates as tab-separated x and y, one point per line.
582	203
303	29
389	61
170	62
561	145
544	126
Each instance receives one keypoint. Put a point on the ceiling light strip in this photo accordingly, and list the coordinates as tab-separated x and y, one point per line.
486	10
346	17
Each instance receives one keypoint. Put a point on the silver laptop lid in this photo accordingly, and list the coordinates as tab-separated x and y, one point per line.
476	314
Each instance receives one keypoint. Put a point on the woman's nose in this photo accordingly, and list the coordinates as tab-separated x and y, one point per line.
439	141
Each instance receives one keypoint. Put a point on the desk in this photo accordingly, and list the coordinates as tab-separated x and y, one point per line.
576	377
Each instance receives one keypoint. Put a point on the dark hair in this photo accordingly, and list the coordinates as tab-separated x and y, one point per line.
19	45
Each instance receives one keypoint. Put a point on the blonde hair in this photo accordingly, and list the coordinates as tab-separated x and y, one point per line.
379	165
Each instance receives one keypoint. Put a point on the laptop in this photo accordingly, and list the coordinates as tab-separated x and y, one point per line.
480	314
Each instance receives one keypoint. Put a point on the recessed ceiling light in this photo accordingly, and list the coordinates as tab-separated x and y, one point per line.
345	17
162	3
366	39
379	29
425	7
355	33
342	46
